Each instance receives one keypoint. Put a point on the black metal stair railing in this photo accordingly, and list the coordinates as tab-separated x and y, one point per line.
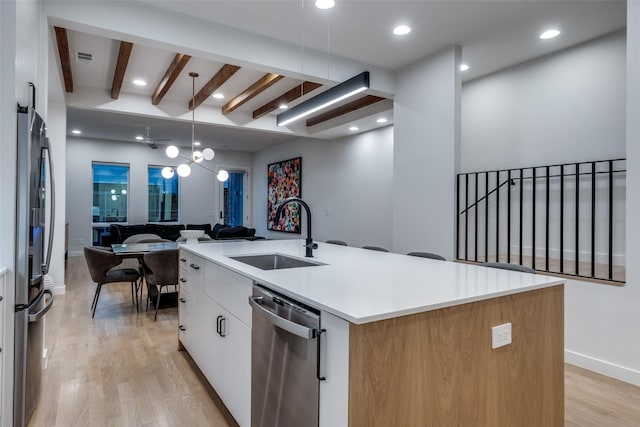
564	218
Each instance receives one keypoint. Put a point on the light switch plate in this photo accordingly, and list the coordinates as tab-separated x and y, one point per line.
501	335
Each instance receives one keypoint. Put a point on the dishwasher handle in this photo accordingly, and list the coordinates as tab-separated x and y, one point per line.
280	322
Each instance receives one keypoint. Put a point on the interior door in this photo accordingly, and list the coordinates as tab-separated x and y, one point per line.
234	209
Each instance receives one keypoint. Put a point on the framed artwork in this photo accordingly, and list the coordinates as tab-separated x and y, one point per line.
284	180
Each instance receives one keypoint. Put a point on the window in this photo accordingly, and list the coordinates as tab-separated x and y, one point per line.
163	196
110	192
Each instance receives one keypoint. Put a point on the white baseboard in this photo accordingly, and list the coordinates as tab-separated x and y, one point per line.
59	290
609	369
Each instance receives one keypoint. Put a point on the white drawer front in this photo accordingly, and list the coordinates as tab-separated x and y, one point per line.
230	290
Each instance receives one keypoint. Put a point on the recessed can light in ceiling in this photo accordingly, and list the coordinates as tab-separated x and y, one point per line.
382	120
139	82
325	4
354	128
76	131
139	138
549	34
283	106
218	96
196	143
464	67
402	30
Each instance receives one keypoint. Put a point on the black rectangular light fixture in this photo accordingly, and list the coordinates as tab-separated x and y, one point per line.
344	90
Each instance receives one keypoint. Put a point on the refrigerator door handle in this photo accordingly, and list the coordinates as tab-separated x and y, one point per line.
52	201
37	316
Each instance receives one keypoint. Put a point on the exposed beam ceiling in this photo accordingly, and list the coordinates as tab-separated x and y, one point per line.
121	68
285	98
344	109
174	70
212	85
259	86
65	61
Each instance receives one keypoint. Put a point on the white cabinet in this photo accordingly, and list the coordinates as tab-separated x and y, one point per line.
190	301
215	328
230	317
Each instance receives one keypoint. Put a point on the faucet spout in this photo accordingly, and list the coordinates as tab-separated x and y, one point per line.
309	245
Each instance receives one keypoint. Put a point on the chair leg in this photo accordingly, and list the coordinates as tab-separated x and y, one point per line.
97	296
157	303
133	301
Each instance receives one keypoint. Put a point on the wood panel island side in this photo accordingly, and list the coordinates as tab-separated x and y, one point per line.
408	341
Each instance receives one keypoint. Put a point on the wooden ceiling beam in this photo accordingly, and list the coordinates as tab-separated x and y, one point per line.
212	85
174	70
344	109
285	98
121	68
65	61
252	91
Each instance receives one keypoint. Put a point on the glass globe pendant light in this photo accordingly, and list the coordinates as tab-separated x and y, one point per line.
197	156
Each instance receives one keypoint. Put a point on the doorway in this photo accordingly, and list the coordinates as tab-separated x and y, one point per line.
234	192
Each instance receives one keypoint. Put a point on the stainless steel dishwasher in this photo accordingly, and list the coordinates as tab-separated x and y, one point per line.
285	348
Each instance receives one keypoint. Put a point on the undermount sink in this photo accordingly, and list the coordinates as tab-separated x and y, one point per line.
274	261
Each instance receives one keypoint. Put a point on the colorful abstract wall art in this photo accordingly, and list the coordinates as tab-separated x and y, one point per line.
284	181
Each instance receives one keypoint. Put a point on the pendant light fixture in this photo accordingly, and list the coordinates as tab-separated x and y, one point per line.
197	156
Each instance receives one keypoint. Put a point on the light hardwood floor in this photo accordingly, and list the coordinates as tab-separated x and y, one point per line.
122	369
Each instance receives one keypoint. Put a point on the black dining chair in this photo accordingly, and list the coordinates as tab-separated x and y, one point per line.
101	263
337	242
375	248
506	266
160	271
429	255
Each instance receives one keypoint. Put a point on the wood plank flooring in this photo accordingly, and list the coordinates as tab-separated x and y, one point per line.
122	369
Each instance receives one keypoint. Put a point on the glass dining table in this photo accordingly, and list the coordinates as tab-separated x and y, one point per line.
137	250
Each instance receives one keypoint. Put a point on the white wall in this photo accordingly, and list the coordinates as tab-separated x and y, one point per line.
602	323
426	144
7	195
567	107
562	108
346	182
198	192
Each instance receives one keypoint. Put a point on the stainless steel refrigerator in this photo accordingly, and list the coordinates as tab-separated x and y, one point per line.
35	194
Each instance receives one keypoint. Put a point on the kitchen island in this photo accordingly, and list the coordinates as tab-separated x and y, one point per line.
408	341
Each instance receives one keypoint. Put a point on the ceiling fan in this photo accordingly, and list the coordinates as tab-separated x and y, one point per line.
151	142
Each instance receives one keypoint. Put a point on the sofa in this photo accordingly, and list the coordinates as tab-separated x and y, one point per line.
119	232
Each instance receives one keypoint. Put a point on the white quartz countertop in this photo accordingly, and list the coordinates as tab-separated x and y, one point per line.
363	286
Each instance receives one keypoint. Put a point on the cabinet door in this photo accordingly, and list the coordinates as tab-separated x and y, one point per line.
237	369
211	360
229	289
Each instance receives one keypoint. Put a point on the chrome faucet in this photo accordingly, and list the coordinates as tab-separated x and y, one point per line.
309	245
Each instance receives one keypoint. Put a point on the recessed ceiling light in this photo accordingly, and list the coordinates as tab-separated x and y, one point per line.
325	4
354	128
76	131
218	96
139	82
382	120
196	143
139	138
401	30
464	67
549	34
284	106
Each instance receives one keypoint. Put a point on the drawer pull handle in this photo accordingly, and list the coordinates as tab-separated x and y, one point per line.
182	300
183	280
183	260
195	267
182	328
